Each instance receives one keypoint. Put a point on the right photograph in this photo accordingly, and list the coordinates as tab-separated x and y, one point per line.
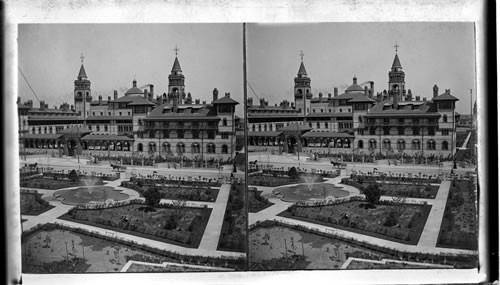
362	146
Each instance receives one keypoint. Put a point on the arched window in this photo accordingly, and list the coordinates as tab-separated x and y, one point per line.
386	144
360	144
140	147
415	145
195	148
445	118
401	145
210	148
180	148
126	146
260	128
253	128
152	147
166	147
318	125
431	145
444	145
118	146
265	128
372	144
360	119
224	122
224	148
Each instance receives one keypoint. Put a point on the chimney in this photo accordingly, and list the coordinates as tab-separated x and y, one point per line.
197	101
329	95
448	91
115	95
266	103
215	93
366	90
228	94
204	102
372	88
410	96
335	92
320	95
72	107
175	103
425	99
100	99
354	80
292	105
42	105
152	89
435	91
261	102
145	93
417	98
150	96
395	101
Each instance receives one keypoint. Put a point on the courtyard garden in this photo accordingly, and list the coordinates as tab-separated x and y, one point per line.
392	221
276	246
172	223
33	204
196	192
279	177
233	232
459	227
256	202
411	188
52	248
59	180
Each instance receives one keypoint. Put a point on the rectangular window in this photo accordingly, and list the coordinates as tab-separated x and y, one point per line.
401	131
415	131
386	131
431	131
151	134
445	132
225	135
372	131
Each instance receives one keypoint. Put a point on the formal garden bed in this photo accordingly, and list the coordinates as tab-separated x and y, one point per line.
459	227
154	180
175	224
276	177
177	191
44	250
233	232
32	203
55	181
367	264
347	247
408	188
398	222
256	202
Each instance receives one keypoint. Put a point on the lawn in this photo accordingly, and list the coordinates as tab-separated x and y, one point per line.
32	204
190	193
256	202
274	181
181	226
402	223
459	226
53	184
409	190
233	232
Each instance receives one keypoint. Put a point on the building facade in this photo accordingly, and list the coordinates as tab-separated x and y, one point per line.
139	123
358	121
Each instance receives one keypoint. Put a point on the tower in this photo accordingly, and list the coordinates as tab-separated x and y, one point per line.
397	79
82	92
176	81
302	89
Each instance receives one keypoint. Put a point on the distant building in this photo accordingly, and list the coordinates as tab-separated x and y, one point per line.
357	121
139	123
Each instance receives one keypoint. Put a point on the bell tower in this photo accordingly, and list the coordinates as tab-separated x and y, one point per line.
302	89
82	93
176	81
397	78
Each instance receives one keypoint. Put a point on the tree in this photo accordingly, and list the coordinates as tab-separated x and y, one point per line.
293	173
372	193
152	196
73	176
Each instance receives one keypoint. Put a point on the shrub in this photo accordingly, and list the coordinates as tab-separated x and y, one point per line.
372	193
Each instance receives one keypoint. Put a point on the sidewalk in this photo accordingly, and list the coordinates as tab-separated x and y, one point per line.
431	229
210	238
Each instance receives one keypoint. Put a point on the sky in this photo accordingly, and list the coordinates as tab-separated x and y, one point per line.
430	53
210	56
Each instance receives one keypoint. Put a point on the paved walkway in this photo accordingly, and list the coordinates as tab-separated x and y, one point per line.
210	238
208	244
426	244
430	233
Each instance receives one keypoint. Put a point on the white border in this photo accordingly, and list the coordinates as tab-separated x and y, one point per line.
137	11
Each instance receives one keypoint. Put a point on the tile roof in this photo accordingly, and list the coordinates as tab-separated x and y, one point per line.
302	69
264	134
206	112
41	136
96	118
75	130
405	109
445	96
329	114
225	100
314	134
294	127
176	66
396	62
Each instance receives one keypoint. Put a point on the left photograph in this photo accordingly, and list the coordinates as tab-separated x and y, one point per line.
131	148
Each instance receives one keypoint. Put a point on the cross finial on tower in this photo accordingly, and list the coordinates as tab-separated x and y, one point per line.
82	57
176	49
301	56
396	47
